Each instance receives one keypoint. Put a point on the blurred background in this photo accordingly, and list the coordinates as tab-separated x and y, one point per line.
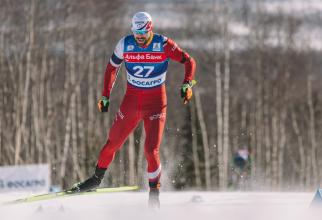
255	122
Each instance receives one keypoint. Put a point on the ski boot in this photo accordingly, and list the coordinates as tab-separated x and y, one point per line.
154	202
91	183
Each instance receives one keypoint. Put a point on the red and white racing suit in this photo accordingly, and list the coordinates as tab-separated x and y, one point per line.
145	97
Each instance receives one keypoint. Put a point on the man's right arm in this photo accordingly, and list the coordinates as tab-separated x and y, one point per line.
112	68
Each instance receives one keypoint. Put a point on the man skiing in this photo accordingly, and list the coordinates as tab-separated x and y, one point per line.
146	56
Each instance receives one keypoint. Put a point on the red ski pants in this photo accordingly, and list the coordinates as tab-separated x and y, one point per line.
149	107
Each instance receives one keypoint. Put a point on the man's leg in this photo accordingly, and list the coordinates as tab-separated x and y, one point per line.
123	125
154	125
125	121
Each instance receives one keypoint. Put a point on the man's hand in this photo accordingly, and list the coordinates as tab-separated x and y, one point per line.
186	90
103	104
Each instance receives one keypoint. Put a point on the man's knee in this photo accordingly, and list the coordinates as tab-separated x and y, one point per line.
151	152
109	148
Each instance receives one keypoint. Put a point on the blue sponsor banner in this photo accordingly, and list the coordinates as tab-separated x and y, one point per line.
31	178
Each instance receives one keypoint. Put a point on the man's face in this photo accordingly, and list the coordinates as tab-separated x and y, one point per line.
142	37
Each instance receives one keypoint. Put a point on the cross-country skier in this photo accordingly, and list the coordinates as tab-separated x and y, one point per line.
241	169
146	56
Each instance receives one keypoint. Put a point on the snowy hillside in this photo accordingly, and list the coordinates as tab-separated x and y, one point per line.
243	20
184	205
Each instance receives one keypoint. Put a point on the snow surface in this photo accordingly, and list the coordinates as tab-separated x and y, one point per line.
174	205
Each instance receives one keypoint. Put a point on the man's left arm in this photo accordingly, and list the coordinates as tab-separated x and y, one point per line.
175	53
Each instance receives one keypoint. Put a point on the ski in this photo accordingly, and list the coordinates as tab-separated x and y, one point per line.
67	193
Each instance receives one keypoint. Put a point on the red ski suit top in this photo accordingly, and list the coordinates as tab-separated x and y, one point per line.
171	50
144	104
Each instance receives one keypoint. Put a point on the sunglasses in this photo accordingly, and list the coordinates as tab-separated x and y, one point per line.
140	32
